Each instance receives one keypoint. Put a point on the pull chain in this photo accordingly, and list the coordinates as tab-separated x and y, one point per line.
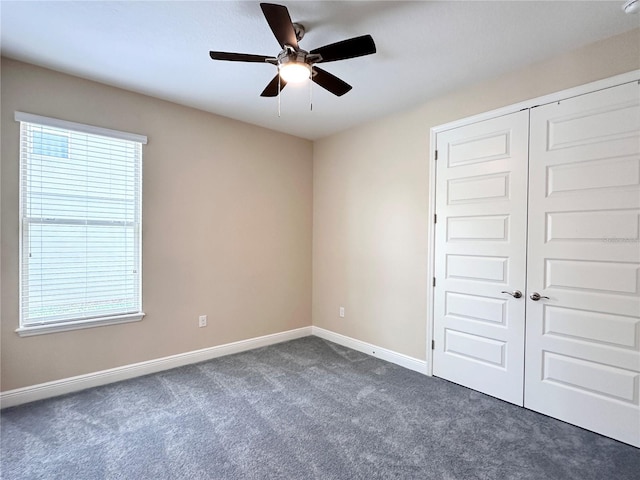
310	93
278	93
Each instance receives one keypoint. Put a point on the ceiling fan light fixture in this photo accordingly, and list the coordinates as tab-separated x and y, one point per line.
295	72
631	6
296	65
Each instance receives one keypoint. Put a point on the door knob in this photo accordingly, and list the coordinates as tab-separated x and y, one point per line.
514	294
535	296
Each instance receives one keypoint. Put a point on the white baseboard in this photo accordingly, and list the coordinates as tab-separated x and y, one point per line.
11	398
364	347
40	391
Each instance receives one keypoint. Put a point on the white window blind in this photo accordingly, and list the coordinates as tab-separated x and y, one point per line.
80	189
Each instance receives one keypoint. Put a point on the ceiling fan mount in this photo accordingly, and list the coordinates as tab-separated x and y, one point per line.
299	30
293	62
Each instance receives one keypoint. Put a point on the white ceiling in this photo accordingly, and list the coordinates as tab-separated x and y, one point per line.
425	49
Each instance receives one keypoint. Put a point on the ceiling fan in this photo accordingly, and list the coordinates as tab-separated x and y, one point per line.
295	64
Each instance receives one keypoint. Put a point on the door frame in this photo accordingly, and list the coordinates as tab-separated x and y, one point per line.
633	76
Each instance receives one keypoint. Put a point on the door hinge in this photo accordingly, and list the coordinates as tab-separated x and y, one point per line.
436	155
434	281
435	218
433	344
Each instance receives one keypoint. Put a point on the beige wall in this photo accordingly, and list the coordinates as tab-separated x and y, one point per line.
370	199
226	229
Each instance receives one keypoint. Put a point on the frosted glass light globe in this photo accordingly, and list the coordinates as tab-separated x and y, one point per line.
295	72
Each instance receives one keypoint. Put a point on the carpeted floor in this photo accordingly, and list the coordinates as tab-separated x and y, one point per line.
305	409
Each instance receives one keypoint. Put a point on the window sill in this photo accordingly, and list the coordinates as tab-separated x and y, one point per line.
78	324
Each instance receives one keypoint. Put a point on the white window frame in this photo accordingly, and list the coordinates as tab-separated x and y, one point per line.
74	324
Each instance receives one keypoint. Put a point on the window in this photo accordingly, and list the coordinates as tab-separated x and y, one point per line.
80	209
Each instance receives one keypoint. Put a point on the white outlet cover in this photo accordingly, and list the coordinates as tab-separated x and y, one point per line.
342	311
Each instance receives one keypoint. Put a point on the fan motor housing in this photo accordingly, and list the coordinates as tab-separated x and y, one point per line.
290	55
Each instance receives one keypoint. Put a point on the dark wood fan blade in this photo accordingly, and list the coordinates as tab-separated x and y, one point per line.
330	82
239	57
351	48
271	90
280	22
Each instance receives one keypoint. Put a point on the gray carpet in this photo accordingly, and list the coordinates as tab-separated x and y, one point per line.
305	409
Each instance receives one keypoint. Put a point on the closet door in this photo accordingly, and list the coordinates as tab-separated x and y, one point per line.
480	253
583	341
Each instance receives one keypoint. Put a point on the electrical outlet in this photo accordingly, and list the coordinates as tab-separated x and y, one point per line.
202	321
341	312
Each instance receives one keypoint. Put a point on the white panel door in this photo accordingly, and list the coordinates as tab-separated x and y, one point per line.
583	342
480	252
